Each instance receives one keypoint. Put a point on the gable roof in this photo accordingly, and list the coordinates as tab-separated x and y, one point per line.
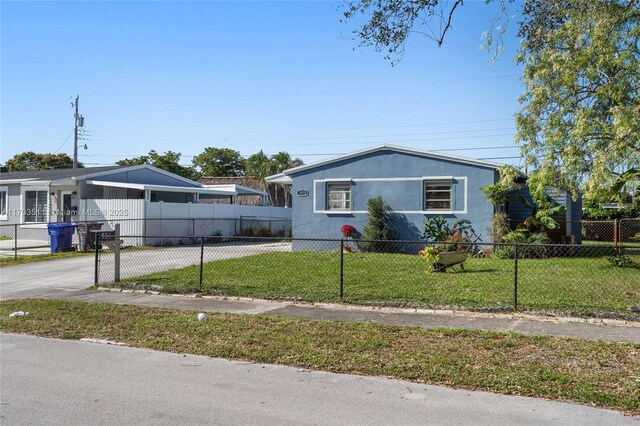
55	174
284	176
84	173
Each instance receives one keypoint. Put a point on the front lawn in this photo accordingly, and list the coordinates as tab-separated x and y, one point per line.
573	285
598	373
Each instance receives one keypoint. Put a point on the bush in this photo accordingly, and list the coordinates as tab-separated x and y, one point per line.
595	211
378	227
259	231
499	226
521	236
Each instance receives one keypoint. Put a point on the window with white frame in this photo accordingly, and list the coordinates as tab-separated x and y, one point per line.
339	196
437	195
3	202
35	206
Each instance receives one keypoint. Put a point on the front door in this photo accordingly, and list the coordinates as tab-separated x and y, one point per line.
66	207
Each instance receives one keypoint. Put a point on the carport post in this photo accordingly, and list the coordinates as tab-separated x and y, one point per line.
201	260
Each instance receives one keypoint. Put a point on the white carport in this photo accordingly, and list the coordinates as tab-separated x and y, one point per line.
237	190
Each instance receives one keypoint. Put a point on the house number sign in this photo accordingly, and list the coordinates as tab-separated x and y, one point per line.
302	193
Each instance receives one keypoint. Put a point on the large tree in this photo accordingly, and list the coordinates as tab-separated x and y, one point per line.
30	161
579	122
169	161
219	162
578	125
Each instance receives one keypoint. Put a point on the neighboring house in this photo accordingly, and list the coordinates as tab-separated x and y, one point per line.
276	195
416	185
35	198
249	190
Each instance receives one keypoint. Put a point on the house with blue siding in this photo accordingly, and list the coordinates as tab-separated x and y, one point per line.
416	185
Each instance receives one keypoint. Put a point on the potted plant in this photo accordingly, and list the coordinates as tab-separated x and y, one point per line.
347	231
452	245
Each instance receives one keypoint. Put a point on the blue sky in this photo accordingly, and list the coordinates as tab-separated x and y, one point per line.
275	76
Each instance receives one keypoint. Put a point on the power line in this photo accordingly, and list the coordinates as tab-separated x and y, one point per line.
413	125
299	155
65	141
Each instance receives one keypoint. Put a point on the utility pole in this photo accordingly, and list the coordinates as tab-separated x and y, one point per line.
75	134
79	122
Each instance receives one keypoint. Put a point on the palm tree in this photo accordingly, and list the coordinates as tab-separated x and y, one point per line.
260	166
281	162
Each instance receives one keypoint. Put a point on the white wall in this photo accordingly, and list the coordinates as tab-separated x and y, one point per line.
111	211
178	219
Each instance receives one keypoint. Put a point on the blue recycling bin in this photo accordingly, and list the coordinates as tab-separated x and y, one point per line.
60	235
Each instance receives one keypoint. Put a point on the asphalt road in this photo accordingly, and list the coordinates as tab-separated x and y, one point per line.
48	381
41	278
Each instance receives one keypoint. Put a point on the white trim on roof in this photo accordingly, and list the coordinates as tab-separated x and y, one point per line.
138	167
387	147
239	189
12	181
164	188
279	178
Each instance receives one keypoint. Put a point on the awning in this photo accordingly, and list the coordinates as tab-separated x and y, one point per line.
279	178
238	189
163	188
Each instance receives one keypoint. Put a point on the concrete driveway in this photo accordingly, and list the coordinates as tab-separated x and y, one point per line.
42	279
48	381
25	247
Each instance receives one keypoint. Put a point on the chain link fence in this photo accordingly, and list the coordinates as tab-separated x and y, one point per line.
611	231
33	239
586	280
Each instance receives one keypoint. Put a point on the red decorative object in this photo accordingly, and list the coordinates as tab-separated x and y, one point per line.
347	230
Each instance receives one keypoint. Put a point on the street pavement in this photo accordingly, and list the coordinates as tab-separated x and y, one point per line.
49	381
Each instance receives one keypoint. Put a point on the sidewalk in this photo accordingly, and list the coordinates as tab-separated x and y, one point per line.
590	329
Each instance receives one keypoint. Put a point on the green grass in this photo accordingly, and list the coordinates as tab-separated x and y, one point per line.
579	286
611	243
5	238
10	260
599	373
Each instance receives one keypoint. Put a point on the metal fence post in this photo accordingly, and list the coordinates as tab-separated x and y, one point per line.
341	269
201	260
144	232
15	242
515	278
97	259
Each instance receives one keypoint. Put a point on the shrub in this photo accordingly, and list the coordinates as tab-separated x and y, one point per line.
437	229
522	236
499	226
378	226
258	230
347	231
